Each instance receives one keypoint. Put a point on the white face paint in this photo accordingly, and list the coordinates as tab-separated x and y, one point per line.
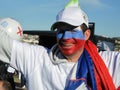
70	41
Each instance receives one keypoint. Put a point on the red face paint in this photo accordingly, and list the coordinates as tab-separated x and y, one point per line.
70	41
70	46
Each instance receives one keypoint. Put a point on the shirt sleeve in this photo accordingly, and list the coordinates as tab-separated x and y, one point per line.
5	46
112	61
27	57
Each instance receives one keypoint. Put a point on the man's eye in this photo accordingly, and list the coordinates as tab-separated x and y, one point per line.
60	31
72	30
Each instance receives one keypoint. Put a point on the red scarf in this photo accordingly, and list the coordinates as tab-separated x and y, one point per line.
103	79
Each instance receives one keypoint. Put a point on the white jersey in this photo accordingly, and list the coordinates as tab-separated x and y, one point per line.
112	61
43	73
40	72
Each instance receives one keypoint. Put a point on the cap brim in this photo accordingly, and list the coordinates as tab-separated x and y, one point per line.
60	24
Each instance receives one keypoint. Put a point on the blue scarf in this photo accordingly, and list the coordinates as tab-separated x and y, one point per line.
84	73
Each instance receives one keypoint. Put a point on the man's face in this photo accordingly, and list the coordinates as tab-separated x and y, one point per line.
70	40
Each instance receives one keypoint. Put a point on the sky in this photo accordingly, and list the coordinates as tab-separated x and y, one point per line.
41	14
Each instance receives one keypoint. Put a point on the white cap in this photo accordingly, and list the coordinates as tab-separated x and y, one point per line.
71	15
12	28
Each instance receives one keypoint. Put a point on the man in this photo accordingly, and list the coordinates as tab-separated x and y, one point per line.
71	64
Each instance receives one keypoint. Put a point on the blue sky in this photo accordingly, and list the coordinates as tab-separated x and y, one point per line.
41	14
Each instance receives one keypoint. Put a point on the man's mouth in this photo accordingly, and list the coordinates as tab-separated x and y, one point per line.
66	45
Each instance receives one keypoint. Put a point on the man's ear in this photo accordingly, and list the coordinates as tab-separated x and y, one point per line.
87	34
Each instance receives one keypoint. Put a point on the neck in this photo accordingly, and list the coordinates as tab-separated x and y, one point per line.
74	57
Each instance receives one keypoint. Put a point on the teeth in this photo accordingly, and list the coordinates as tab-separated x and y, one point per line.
68	44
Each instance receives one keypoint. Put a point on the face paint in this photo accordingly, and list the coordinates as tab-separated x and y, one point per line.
70	41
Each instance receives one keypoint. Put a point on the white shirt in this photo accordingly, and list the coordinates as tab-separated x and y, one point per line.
42	73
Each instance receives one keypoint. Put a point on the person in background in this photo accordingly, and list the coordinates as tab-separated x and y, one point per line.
5	85
6	71
73	63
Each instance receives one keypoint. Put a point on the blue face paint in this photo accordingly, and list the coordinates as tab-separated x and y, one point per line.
77	34
71	40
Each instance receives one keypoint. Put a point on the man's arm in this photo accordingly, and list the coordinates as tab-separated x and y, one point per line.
5	46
